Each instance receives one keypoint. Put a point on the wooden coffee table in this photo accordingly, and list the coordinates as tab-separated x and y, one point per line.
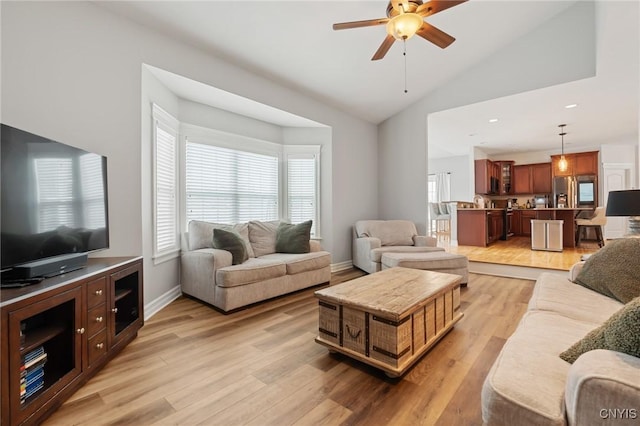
389	319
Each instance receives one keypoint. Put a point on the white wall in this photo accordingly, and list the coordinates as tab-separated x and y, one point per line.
71	71
539	59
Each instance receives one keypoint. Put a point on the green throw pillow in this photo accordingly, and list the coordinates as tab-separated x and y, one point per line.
620	333
293	238
232	242
613	270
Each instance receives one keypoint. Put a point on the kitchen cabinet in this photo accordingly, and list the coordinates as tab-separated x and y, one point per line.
58	333
505	177
495	225
586	163
487	177
522	179
541	178
526	216
532	179
516	220
581	163
480	227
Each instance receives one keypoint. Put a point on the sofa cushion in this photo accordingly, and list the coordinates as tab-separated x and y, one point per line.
297	263
389	232
376	254
232	242
201	234
251	271
292	238
527	381
556	293
262	236
620	333
613	270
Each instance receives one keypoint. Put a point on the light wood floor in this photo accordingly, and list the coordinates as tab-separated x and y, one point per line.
193	365
517	251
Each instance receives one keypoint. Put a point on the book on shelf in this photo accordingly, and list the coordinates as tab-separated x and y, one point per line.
30	391
34	353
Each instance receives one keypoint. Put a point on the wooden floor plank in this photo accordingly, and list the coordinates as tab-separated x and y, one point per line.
260	366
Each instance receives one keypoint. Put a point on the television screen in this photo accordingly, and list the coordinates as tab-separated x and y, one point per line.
54	199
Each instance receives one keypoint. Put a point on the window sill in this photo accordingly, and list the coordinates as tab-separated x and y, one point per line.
165	257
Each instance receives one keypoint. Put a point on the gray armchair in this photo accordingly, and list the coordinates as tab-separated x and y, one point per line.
372	238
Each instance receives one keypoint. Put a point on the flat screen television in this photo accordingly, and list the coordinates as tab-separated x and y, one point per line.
53	206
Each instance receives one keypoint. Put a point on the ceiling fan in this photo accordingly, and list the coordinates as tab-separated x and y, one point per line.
405	18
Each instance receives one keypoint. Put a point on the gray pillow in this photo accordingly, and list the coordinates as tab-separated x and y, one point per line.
293	238
613	270
232	242
620	333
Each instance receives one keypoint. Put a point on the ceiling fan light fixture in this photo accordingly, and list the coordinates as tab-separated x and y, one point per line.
404	26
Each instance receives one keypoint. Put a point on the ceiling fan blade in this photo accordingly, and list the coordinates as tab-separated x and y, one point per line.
384	48
435	6
435	36
359	24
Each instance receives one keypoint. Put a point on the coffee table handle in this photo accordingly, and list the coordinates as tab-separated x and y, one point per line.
353	334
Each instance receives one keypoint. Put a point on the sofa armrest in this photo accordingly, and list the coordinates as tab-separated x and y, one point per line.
198	271
600	386
424	241
575	270
314	246
361	252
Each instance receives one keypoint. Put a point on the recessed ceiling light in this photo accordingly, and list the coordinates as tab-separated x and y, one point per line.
570	106
493	120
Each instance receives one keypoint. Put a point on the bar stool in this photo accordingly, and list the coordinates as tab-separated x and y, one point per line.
597	221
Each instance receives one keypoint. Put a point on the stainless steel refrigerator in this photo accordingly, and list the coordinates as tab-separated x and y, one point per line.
565	187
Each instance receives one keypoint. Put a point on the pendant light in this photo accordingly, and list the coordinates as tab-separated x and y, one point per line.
563	165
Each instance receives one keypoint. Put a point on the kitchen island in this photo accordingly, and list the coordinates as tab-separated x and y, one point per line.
482	226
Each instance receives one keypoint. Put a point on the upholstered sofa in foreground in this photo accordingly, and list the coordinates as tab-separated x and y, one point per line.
529	384
208	274
372	238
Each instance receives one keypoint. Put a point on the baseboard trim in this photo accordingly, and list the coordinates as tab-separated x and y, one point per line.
341	266
510	271
156	305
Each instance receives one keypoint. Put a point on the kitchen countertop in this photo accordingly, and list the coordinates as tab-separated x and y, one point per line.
530	210
478	209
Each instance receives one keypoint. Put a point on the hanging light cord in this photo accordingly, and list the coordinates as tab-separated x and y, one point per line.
404	53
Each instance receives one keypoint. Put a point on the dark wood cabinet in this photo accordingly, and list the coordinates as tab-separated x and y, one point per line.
532	179
516	220
581	163
480	227
505	177
74	323
486	177
586	163
522	179
495	224
525	221
541	178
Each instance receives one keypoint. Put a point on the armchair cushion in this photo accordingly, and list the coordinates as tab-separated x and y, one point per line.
292	238
232	242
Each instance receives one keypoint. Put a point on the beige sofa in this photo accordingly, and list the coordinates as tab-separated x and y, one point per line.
529	384
208	274
372	238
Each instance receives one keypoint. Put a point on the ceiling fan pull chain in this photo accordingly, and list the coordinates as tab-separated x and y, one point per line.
404	53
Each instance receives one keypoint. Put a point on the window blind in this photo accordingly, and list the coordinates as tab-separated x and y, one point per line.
165	189
229	186
301	189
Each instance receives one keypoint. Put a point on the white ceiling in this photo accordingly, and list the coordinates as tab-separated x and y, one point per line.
293	44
